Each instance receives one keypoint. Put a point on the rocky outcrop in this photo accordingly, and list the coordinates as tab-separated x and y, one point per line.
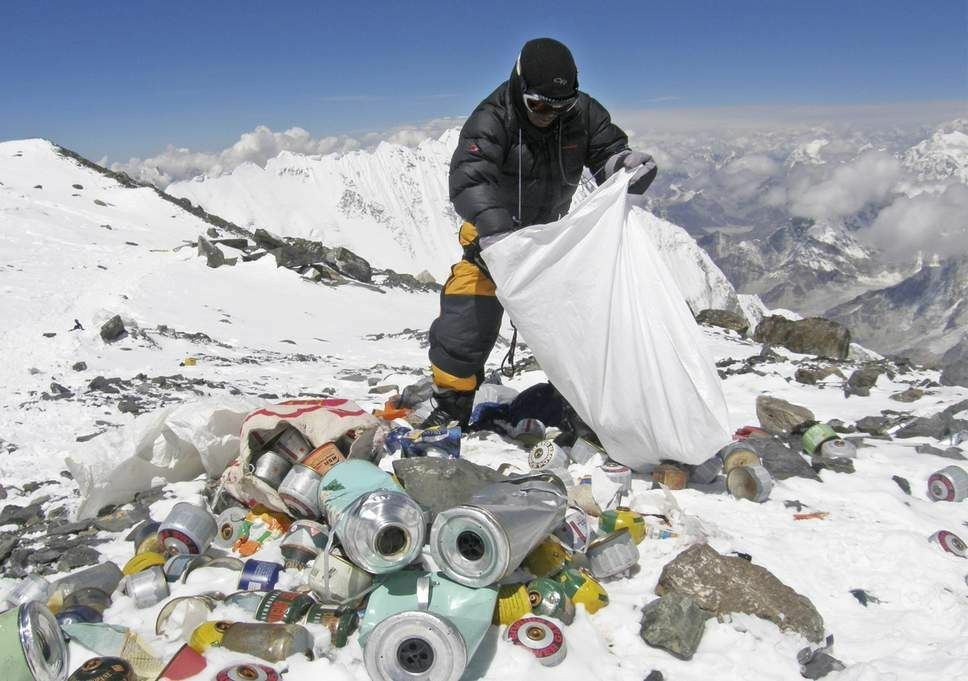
812	336
724	319
779	416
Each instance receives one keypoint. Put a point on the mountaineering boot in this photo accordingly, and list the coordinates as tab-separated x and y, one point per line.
449	405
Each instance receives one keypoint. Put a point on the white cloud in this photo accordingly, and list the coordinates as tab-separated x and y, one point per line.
849	188
933	224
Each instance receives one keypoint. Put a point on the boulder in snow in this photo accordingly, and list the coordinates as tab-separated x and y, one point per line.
113	329
674	623
779	416
812	336
724	319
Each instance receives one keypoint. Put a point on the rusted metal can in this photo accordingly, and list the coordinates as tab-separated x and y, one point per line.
613	554
948	484
271	642
300	491
147	587
32	646
838	447
290	443
341	622
187	529
541	636
104	669
670	475
547	454
548	599
271	468
950	542
283	606
750	482
323	458
738	454
231	527
338	581
575	532
259	575
302	543
248	672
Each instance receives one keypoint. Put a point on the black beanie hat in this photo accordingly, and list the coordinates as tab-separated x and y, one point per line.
547	68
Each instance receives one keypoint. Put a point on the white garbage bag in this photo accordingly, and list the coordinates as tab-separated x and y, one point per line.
609	326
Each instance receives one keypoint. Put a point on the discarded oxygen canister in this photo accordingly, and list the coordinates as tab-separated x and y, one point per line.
247	672
290	443
104	576
582	588
145	538
142	561
948	484
300	491
950	542
618	474
484	540
323	458
423	626
271	468
838	447
613	554
338	581
547	558
541	636
670	475
750	482
575	532
548	598
547	454
302	543
104	669
231	527
528	431
30	588
32	646
283	606
259	575
147	587
180	617
380	527
706	472
623	517
88	597
513	602
341	622
187	529
738	454
208	635
815	436
271	642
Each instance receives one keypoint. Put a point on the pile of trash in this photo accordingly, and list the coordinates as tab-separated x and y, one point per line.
323	545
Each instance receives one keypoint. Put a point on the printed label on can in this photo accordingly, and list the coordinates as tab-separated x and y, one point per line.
541	636
323	458
178	541
283	606
248	672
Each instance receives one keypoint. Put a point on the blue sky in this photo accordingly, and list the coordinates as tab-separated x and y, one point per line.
126	79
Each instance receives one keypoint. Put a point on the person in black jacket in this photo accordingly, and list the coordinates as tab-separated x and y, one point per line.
520	157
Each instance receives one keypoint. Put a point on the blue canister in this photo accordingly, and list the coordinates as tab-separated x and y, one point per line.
78	613
259	575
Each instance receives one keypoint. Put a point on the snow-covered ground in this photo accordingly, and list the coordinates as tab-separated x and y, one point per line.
64	256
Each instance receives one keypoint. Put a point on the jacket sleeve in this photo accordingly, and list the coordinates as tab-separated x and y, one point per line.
475	172
604	139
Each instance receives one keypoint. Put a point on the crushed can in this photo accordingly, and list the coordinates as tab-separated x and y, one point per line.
423	626
104	669
950	542
750	482
582	588
547	558
300	491
259	575
283	606
248	672
547	454
88	597
948	484
208	635
738	454
623	517
231	527
32	645
30	588
513	602
341	622
271	468
302	543
142	561
380	527
145	538
270	642
548	599
541	636
613	554
670	475
706	472
187	529
104	576
815	436
108	640
483	541
323	458
336	580
148	587
180	617
575	532
838	447
247	600
78	613
290	444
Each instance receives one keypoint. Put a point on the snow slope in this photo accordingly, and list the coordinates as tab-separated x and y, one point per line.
269	332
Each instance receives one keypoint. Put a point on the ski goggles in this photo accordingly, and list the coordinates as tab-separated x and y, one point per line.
541	105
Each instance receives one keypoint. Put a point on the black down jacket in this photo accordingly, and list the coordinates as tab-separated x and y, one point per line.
484	168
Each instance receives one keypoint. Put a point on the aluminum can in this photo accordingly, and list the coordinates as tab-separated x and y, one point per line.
271	468
623	517
341	622
738	454
32	646
575	532
582	451
89	597
300	491
30	588
548	558
948	484
513	602
104	669
145	538
950	542
248	672
271	642
104	576
290	443
247	600
147	587
541	636
483	541
323	458
619	474
547	454
670	475
838	447
815	436
613	554
208	635
283	606
259	575
528	432
582	588
187	529
337	581
231	527
302	543
548	599
142	561
179	617
78	614
706	472
750	482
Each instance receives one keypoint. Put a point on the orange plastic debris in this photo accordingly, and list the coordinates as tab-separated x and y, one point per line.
816	515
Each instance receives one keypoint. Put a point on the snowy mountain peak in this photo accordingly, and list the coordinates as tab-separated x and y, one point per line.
942	156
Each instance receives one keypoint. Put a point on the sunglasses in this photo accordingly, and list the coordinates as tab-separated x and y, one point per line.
541	105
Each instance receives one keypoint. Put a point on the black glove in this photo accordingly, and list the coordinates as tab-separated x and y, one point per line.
643	165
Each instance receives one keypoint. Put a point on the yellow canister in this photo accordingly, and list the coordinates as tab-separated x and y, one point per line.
208	635
582	587
143	561
547	558
513	603
614	520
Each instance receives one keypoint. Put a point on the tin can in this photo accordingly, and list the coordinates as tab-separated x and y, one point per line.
78	614
838	447
575	532
323	458
180	617
30	588
208	635
528	432
259	575
271	642
104	669
337	581
248	672
618	474
247	600
104	576
290	443
582	588
445	439
32	646
231	527
88	597
513	602
302	543
147	587
670	475
145	538
271	468
548	558
187	529
623	517
750	482
950	542
548	599
583	450
341	622
300	491
142	561
948	484
738	454
613	554
283	606
547	454
541	636
706	472
815	436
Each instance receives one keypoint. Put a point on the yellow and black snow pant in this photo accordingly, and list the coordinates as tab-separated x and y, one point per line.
462	337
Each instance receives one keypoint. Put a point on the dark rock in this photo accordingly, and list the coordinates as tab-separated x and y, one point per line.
949	453
383	389
439	484
349	264
674	623
239	244
408	282
44	556
59	390
70	528
912	394
654	675
935	426
77	186
214	257
131	406
841	427
864	597
724	319
766	354
779	416
149	496
812	336
862	380
105	385
267	240
212	232
79	556
13	514
99	202
723	584
298	253
902	483
79	366
819	665
88	437
813	375
875	425
781	460
8	543
837	464
112	329
118	520
49	334
955	373
254	255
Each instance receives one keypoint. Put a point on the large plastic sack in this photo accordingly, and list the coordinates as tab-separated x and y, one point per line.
609	326
169	445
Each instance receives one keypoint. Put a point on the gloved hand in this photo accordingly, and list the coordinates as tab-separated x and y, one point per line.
643	165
